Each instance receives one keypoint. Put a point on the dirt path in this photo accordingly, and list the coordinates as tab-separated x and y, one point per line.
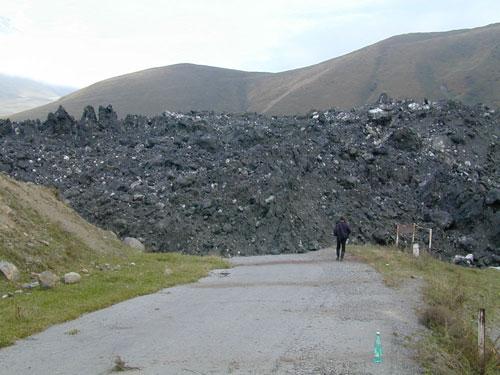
284	314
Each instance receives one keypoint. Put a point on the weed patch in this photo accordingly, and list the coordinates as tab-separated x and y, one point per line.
452	296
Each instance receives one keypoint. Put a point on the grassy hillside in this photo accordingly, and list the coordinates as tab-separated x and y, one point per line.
181	87
20	94
461	64
38	232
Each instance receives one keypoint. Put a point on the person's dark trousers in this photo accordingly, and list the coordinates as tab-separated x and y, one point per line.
341	243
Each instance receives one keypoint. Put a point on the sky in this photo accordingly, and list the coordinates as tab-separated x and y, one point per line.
79	42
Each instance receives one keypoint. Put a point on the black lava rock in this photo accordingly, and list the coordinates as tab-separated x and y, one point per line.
204	182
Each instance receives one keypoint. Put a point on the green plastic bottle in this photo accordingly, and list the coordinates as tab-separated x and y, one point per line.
377	358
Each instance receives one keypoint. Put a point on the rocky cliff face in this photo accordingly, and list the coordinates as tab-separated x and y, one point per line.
250	184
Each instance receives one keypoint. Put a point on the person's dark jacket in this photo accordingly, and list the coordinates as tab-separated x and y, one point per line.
342	230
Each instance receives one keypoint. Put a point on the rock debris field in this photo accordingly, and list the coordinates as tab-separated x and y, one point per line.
204	182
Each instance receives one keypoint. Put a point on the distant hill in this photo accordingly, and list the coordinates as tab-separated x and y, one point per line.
460	64
19	94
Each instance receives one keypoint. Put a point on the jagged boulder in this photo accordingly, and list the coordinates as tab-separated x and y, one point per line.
467	243
47	279
72	278
494	233
380	115
442	218
134	243
9	270
89	118
59	122
107	117
493	198
406	139
6	127
349	181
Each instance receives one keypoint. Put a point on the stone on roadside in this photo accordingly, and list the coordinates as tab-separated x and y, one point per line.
134	243
9	270
72	278
31	285
462	260
47	279
168	271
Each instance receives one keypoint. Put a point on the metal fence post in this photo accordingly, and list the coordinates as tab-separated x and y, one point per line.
481	328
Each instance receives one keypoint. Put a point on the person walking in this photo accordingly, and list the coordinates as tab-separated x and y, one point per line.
341	231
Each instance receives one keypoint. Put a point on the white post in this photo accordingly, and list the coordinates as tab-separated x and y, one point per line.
430	239
416	250
481	327
397	235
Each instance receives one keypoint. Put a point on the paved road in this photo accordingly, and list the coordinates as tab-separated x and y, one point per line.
284	314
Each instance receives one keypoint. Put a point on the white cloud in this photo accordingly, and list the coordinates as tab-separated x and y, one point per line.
79	42
5	26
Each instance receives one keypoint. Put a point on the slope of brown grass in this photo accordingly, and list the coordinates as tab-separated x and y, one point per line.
37	231
460	64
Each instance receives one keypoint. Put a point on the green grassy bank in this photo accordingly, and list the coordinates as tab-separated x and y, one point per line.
124	278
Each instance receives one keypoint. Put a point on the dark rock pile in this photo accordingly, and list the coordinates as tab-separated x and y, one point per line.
250	184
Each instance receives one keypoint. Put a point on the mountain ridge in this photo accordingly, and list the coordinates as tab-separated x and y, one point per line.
459	65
